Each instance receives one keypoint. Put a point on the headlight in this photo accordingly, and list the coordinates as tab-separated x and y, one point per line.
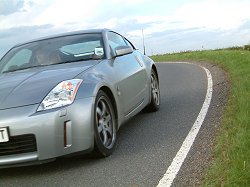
63	94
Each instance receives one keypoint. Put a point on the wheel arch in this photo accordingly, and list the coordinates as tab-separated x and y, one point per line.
155	70
112	99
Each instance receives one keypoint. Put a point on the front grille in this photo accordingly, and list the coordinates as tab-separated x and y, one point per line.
18	144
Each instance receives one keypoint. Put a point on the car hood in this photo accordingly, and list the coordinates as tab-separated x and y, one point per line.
30	86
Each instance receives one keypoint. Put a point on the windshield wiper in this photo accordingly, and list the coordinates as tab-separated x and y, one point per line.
72	61
65	62
13	70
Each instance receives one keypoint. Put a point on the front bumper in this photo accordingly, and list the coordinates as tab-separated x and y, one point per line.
57	132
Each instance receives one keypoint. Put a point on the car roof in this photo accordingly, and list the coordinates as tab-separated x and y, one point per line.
65	34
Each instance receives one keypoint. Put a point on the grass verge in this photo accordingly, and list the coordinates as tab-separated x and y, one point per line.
231	166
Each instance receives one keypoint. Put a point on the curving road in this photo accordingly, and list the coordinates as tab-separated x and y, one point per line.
146	145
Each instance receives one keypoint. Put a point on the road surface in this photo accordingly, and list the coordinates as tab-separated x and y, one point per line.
146	144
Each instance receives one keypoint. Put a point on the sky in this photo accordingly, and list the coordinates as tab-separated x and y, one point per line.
168	25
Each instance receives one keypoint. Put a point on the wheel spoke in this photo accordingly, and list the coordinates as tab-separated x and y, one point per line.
108	118
109	129
100	129
156	98
156	93
155	89
104	108
105	137
104	122
98	111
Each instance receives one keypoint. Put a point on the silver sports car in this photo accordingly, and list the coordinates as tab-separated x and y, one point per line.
70	93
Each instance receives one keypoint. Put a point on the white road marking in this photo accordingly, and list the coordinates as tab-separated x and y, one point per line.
177	162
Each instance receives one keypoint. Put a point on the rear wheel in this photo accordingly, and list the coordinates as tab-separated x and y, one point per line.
104	126
155	93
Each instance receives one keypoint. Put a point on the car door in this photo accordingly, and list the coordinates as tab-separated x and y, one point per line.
131	76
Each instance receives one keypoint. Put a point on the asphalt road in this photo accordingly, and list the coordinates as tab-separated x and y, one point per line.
146	144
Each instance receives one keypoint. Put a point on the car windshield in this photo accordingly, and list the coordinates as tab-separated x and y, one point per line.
53	51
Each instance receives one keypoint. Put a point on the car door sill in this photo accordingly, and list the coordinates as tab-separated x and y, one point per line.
135	108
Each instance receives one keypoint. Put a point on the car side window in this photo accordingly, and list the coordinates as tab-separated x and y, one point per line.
20	59
115	40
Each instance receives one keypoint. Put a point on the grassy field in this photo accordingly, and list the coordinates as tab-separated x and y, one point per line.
231	166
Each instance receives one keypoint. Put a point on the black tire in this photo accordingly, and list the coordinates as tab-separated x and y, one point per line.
155	94
104	126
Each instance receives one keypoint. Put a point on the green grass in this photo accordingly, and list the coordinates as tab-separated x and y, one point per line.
231	164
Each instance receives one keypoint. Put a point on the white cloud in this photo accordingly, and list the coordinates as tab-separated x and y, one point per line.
209	15
65	11
30	10
209	23
219	17
214	14
130	2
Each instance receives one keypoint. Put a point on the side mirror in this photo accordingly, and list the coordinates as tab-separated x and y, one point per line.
123	50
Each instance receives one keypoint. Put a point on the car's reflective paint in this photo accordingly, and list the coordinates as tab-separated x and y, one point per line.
125	79
30	86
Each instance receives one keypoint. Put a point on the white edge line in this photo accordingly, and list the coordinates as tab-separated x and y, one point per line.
177	162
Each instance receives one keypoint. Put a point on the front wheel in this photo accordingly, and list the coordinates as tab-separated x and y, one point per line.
104	125
155	93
